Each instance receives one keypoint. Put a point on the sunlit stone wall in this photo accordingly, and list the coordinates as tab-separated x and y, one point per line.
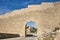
46	16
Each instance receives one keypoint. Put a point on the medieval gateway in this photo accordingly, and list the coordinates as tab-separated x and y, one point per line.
46	16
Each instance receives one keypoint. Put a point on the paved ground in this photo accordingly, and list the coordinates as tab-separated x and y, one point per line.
21	38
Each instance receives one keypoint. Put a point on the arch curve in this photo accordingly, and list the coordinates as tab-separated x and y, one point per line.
30	29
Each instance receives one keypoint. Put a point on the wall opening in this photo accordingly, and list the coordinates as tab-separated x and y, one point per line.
30	29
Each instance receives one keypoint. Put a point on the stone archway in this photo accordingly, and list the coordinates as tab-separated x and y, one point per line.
31	29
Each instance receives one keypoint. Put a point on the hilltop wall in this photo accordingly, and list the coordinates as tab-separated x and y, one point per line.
46	16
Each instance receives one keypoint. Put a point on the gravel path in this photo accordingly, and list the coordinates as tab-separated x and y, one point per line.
22	38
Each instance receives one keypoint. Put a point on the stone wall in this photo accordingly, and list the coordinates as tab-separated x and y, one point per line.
46	16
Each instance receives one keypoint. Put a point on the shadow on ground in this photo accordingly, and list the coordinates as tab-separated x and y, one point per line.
8	35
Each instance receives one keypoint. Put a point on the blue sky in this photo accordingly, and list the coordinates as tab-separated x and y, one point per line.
31	23
10	5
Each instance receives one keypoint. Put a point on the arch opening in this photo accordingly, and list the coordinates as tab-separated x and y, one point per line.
30	29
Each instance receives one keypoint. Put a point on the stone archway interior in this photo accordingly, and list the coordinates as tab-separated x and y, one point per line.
30	29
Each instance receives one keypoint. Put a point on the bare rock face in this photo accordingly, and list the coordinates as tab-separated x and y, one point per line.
46	16
52	35
57	37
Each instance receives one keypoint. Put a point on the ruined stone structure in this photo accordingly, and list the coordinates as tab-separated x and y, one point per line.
46	16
